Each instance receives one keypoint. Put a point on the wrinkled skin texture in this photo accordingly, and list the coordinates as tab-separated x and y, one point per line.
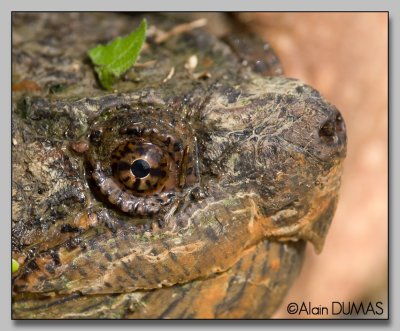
252	170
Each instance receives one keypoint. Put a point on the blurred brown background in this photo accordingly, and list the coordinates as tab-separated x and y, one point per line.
344	56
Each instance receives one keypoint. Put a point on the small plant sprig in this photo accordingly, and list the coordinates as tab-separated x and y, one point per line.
118	56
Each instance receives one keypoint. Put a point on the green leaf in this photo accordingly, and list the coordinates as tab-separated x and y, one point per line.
115	58
14	266
105	77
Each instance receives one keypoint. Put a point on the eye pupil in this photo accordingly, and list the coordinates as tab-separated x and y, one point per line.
140	168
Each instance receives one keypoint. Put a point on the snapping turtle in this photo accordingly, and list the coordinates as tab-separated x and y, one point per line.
189	191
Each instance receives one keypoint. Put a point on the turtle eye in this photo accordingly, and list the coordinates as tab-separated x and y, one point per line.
136	168
140	167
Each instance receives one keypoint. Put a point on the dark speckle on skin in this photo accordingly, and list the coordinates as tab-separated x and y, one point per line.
299	89
290	99
55	256
32	265
232	95
68	228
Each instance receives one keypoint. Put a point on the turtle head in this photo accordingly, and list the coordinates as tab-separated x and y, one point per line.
176	200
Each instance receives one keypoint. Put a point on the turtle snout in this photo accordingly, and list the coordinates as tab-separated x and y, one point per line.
332	134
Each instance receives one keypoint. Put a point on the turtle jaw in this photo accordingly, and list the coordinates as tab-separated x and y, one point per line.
317	228
309	219
322	208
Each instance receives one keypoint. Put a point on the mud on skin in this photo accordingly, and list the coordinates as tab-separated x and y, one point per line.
187	197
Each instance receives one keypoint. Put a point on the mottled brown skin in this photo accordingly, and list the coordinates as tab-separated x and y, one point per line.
245	169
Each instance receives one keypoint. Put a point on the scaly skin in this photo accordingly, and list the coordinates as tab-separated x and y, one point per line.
250	167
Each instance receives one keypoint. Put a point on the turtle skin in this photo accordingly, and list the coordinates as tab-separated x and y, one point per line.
189	191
